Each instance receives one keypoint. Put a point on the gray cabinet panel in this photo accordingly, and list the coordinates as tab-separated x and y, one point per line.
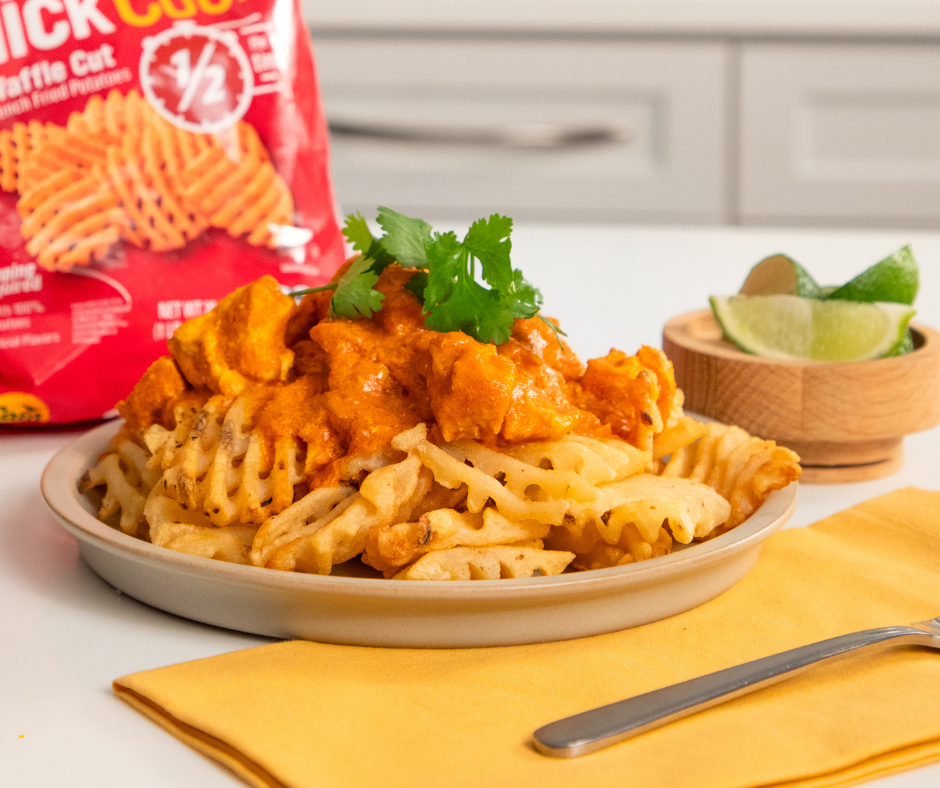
539	130
840	134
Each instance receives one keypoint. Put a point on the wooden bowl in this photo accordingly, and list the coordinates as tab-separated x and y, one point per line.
846	420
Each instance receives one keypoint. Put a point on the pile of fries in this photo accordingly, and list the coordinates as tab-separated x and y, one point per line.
278	437
119	171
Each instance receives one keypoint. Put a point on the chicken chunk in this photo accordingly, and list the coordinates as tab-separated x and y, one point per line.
154	396
238	342
471	387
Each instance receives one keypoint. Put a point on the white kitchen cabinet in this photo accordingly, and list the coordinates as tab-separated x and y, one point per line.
559	130
822	112
840	134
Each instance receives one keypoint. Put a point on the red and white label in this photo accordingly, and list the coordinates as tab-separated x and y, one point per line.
198	78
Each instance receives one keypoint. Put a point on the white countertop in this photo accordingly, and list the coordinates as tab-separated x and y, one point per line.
67	635
731	18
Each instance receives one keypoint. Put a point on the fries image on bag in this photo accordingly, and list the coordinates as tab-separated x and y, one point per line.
119	171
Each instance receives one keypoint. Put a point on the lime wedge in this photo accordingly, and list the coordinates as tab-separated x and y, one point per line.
895	278
779	275
906	346
790	327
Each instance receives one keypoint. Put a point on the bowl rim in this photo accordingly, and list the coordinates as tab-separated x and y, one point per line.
59	487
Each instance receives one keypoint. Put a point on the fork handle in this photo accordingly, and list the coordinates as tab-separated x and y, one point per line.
593	730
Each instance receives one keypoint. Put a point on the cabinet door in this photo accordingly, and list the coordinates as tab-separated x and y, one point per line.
538	130
840	134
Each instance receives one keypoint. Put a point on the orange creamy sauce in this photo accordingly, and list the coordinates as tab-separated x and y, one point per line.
339	390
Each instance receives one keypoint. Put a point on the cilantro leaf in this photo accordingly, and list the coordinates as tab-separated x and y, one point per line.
446	284
454	301
555	330
417	285
405	238
488	241
355	295
473	309
445	265
380	258
521	298
357	233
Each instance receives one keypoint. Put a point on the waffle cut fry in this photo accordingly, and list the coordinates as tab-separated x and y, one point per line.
741	468
108	120
219	471
73	225
149	225
387	495
390	547
62	150
237	189
119	172
164	155
127	477
488	563
229	544
19	149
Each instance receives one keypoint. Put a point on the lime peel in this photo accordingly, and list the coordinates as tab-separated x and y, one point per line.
896	279
780	275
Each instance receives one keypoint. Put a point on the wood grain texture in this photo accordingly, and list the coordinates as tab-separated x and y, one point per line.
840	415
840	474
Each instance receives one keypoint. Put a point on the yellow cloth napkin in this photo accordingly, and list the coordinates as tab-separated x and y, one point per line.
301	714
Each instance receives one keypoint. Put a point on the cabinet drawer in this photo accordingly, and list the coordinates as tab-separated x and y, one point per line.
538	130
840	134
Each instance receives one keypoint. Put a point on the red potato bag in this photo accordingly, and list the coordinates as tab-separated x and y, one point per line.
154	155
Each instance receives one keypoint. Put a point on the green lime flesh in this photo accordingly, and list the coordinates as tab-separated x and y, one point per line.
779	275
790	327
895	279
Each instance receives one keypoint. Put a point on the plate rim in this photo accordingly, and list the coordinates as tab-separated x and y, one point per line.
58	486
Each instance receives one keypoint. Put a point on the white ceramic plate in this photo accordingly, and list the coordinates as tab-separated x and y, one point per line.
375	612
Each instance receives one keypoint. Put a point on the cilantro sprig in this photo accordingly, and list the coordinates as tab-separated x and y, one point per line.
446	283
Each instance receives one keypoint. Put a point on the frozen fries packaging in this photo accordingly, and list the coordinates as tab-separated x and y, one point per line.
154	155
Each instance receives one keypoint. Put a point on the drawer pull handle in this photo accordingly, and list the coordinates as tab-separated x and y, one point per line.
522	135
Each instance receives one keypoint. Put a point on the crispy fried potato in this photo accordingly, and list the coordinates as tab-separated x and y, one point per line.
685	431
386	495
648	502
127	478
157	186
452	472
389	547
220	469
593	461
631	548
303	518
172	525
486	563
229	544
441	497
592	552
741	468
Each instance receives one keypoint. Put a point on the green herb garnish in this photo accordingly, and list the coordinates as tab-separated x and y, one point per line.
445	283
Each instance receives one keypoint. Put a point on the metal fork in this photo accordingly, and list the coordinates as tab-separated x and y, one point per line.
593	730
